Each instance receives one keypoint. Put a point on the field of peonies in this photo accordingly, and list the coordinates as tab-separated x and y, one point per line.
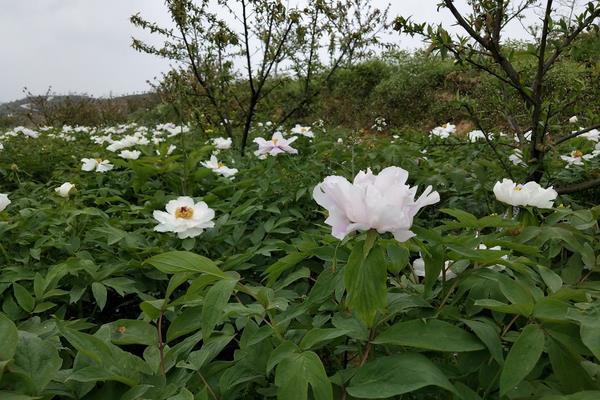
156	262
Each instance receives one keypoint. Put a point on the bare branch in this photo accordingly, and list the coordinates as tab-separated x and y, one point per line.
575	134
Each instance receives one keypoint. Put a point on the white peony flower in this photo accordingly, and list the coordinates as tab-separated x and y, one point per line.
419	269
529	194
593	135
496	267
219	168
27	132
222	143
96	164
443	131
517	158
573	119
4	201
130	154
526	135
474	136
303	130
383	202
64	189
184	217
340	141
277	145
576	157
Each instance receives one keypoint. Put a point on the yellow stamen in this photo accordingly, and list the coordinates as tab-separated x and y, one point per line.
275	141
576	153
184	212
99	160
220	165
518	188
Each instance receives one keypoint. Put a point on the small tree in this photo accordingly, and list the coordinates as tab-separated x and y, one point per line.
483	48
226	45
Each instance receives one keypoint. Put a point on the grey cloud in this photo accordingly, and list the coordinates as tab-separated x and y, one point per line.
83	46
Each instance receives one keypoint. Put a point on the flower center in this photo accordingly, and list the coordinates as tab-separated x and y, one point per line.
275	140
577	154
184	212
220	165
99	160
518	188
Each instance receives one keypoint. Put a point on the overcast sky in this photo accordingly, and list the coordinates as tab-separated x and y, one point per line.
83	46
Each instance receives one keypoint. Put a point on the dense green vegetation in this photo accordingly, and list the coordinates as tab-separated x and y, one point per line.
367	245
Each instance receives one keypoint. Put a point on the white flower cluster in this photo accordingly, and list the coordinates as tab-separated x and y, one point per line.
380	124
443	131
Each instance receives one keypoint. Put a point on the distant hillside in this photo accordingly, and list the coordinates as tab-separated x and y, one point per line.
74	109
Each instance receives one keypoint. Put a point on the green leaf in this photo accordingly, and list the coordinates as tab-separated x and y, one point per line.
320	335
431	334
210	349
488	334
9	335
182	261
588	256
434	262
24	299
395	375
132	331
522	357
111	361
365	280
283	264
399	257
295	373
587	395
550	309
517	293
589	328
14	396
216	299
550	278
185	322
36	361
495	305
466	219
100	294
183	394
568	369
